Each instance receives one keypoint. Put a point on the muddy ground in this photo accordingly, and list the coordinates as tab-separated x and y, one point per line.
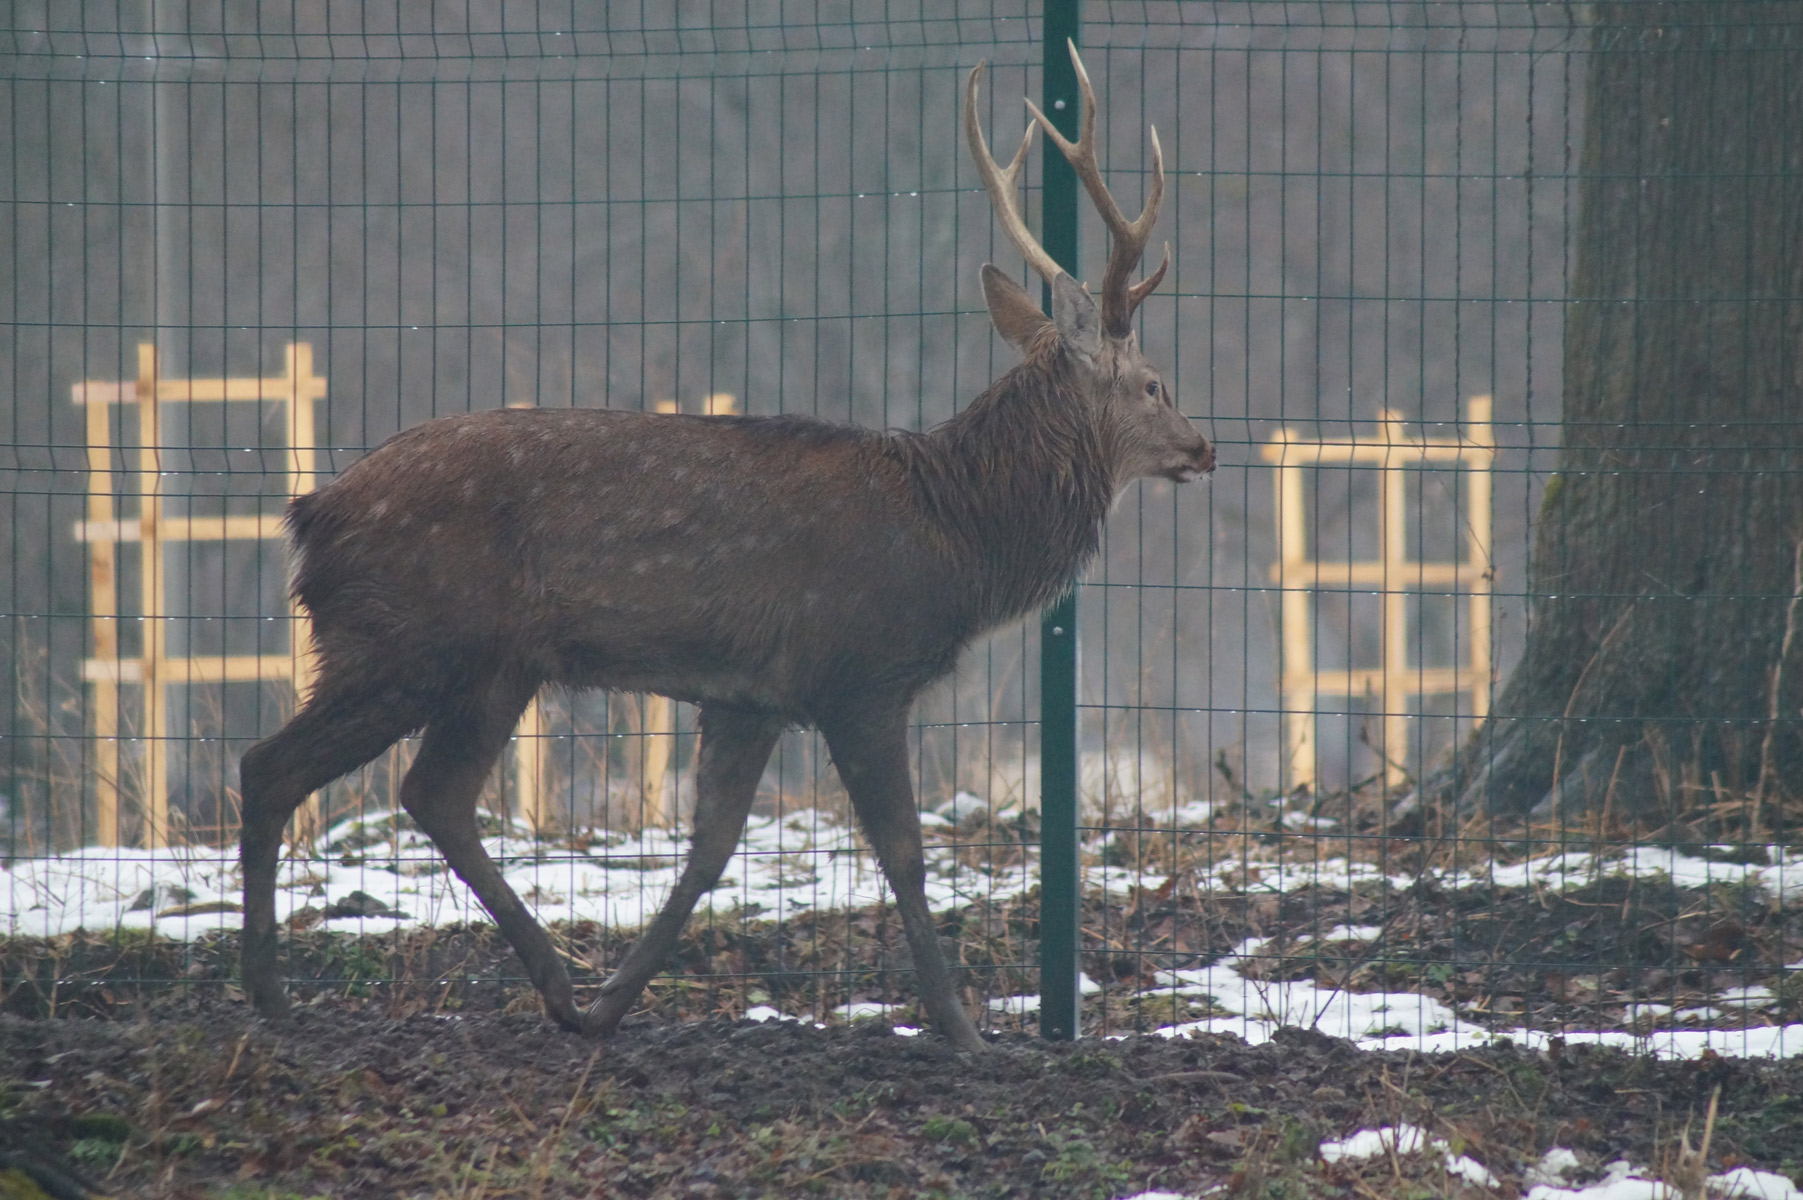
418	1063
422	1067
207	1100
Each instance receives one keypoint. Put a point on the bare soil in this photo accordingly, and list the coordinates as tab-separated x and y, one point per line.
421	1066
344	1103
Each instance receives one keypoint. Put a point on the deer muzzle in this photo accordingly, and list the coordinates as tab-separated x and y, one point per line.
1199	461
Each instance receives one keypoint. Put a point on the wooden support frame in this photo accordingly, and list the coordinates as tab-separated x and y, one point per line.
298	389
1393	575
653	721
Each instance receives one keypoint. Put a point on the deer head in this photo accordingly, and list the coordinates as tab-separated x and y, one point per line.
1148	436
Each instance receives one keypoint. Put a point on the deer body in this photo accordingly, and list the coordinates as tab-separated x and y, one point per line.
775	571
778	563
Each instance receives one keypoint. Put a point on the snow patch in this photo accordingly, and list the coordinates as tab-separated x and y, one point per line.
1405	1139
1623	1181
377	873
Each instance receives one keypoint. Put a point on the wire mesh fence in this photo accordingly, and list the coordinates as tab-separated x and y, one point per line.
1461	701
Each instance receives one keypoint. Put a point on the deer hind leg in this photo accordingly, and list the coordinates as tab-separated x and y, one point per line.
735	746
339	730
440	791
871	754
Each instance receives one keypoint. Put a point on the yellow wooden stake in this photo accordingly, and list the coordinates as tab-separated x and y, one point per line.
529	775
1478	551
103	530
1297	680
660	745
303	389
103	608
153	604
1394	574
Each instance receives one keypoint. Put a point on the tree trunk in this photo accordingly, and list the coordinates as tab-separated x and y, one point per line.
1661	671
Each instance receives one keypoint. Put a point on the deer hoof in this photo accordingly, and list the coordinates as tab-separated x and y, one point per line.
566	1016
605	1014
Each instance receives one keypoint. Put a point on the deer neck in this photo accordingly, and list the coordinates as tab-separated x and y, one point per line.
1019	484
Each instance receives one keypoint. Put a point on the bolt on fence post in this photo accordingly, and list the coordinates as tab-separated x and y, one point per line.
1058	888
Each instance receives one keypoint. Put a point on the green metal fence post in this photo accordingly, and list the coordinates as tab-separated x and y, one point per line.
1058	914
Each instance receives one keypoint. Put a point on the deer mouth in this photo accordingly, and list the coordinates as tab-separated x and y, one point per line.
1202	462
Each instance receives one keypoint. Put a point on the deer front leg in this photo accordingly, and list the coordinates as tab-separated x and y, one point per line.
871	754
735	746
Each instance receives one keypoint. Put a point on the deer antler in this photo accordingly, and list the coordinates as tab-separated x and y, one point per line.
1119	300
1001	183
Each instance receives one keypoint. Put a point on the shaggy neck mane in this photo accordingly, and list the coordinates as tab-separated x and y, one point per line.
1018	483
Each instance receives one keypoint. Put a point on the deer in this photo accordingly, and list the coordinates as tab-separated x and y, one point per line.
775	571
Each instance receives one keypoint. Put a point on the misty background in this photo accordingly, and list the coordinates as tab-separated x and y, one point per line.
607	205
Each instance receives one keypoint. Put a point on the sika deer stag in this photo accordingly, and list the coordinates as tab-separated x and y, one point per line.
775	571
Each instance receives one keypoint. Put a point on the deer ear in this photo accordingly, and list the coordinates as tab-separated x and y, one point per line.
1074	312
1016	317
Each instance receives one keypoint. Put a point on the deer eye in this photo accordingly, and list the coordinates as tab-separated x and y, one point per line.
1152	389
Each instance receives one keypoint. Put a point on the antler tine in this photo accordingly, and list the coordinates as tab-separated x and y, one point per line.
1145	287
1128	237
1001	184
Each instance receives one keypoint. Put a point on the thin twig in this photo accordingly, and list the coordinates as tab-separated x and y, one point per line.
1192	1077
1690	1173
1766	755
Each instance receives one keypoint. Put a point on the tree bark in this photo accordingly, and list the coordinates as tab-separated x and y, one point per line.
1661	667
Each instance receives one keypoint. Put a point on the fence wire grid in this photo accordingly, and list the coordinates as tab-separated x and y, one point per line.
1462	701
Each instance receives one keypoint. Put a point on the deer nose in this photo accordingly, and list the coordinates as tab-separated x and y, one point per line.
1205	457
